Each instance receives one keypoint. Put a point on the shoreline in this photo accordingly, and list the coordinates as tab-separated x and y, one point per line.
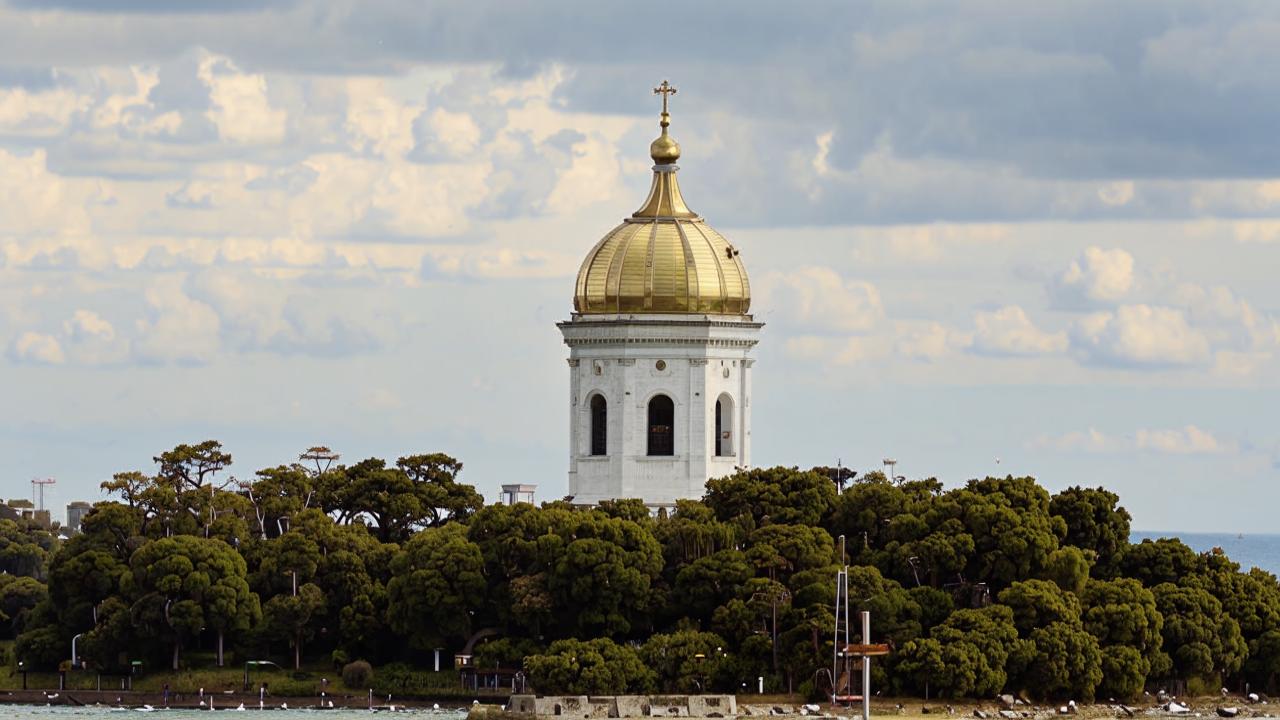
747	705
221	701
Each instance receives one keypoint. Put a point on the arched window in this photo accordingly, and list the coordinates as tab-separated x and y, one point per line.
724	426
599	425
662	420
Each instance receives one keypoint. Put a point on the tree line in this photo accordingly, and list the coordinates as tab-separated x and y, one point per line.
994	586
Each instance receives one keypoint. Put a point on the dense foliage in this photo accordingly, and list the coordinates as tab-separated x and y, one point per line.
990	587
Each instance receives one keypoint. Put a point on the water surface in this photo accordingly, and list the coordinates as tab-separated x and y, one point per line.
36	712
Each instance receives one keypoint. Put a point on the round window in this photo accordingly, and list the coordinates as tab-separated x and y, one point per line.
661	365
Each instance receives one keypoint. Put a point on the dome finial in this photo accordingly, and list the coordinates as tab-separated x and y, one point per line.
665	150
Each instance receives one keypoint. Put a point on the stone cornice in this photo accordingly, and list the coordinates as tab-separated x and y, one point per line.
634	341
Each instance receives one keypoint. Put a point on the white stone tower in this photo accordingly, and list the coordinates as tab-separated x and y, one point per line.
659	344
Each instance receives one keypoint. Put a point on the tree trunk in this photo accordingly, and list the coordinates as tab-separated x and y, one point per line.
297	651
176	645
219	648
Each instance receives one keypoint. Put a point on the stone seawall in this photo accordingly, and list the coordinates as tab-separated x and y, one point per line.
598	707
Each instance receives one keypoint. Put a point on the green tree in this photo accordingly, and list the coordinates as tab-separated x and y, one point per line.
1065	663
420	491
437	580
779	550
277	495
184	583
1263	663
1013	532
25	548
685	661
1152	562
1123	616
992	635
1124	672
776	495
927	666
1202	640
1038	603
590	667
18	597
1068	567
600	571
1095	522
289	617
708	582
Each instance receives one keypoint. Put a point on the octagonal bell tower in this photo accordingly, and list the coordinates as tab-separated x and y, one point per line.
659	351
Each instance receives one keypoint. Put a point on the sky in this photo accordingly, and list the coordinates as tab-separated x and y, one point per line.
985	237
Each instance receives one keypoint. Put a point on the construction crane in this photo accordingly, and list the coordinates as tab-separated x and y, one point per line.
37	490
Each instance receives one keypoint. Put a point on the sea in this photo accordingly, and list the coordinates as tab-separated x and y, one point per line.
36	712
1249	549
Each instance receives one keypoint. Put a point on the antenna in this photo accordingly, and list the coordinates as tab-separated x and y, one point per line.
37	490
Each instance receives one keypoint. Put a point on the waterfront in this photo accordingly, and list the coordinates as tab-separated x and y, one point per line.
38	712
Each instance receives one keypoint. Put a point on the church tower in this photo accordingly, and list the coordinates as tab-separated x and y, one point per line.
659	344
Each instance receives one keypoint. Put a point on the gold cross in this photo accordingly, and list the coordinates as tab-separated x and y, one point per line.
664	90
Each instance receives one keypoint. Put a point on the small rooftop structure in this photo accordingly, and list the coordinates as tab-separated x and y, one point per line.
512	494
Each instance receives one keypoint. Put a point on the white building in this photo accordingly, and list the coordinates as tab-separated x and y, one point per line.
659	344
519	493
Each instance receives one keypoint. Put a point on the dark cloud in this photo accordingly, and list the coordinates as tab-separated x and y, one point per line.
151	6
933	111
31	78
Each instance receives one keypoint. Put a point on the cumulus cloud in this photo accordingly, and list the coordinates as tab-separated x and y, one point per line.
41	113
492	263
177	328
257	314
1229	320
931	342
90	339
819	299
1139	336
1187	440
36	348
1008	331
1097	277
241	109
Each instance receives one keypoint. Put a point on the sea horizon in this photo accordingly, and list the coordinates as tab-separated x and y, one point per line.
1260	550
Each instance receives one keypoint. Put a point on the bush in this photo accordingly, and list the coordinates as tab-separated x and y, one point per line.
590	667
357	675
402	680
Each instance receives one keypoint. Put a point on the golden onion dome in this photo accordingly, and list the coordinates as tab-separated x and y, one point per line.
664	258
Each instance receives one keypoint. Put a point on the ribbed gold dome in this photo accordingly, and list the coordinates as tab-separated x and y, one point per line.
664	258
